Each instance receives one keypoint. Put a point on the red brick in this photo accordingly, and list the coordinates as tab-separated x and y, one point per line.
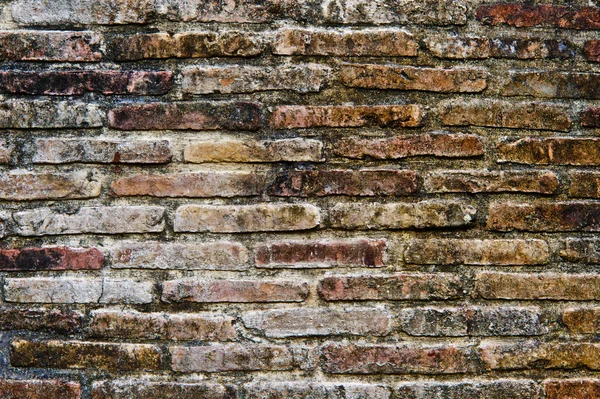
446	145
39	389
45	186
590	117
234	291
398	287
572	389
550	15
40	319
397	359
456	80
551	151
531	48
475	181
552	84
488	389
52	258
137	388
323	253
300	116
33	45
592	50
183	116
582	320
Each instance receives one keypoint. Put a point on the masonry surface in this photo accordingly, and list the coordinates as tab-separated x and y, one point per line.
312	199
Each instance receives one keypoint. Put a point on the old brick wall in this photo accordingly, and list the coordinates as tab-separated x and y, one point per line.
347	199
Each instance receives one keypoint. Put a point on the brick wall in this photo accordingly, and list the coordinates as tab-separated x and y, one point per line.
244	199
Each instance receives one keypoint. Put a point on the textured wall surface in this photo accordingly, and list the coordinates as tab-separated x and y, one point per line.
274	199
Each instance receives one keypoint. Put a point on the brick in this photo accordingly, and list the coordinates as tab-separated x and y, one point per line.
305	390
590	117
397	287
496	389
94	220
591	50
6	152
231	150
46	186
548	15
127	291
81	12
304	322
458	47
58	151
363	182
40	319
476	181
551	151
39	389
572	389
471	321
126	389
174	326
456	80
50	258
85	355
330	42
574	287
447	145
419	215
397	359
60	46
141	46
552	84
531	48
302	78
581	250
507	252
584	185
246	218
43	114
533	354
544	216
301	117
209	291
215	255
193	185
582	320
183	116
79	82
231	357
504	114
359	252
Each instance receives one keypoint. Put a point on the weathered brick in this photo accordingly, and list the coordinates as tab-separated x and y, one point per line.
456	80
552	84
458	47
549	15
582	320
246	218
581	250
477	181
397	287
303	322
79	82
477	252
329	42
533	354
544	216
397	359
231	357
51	258
40	319
364	182
127	291
448	145
360	252
471	321
302	78
42	114
33	45
57	151
175	326
572	389
231	150
531	48
45	186
499	113
85	355
584	184
184	45
6	152
81	12
551	151
300	116
305	390
491	389
575	287
94	220
126	389
39	389
419	215
182	116
592	50
590	117
234	291
215	255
